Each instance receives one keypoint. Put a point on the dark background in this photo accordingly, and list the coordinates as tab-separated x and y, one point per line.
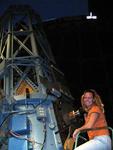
83	49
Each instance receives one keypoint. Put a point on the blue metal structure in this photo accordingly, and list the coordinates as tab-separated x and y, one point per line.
31	83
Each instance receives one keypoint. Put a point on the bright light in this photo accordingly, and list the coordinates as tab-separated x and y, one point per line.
91	16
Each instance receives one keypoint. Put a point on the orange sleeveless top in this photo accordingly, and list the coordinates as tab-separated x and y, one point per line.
100	122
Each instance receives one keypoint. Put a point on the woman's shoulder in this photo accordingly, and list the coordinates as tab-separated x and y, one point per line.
95	108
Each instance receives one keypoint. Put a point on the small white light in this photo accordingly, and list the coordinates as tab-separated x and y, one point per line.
91	16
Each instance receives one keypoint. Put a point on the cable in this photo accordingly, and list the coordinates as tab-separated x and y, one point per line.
44	137
16	135
5	119
16	112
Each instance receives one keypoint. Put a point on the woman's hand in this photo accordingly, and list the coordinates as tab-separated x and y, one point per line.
75	133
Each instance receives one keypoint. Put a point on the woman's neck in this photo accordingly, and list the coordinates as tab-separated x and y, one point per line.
88	108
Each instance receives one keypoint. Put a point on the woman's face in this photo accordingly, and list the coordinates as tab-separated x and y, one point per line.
88	99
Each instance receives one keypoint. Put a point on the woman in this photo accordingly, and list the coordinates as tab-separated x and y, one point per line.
94	118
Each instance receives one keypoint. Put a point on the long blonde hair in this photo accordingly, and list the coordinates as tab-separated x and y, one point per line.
96	97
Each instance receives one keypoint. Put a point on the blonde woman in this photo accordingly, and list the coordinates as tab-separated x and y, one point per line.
94	118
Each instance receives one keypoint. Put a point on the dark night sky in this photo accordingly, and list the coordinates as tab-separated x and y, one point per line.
51	9
82	49
84	52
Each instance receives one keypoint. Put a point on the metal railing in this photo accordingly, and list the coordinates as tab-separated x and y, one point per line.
89	129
